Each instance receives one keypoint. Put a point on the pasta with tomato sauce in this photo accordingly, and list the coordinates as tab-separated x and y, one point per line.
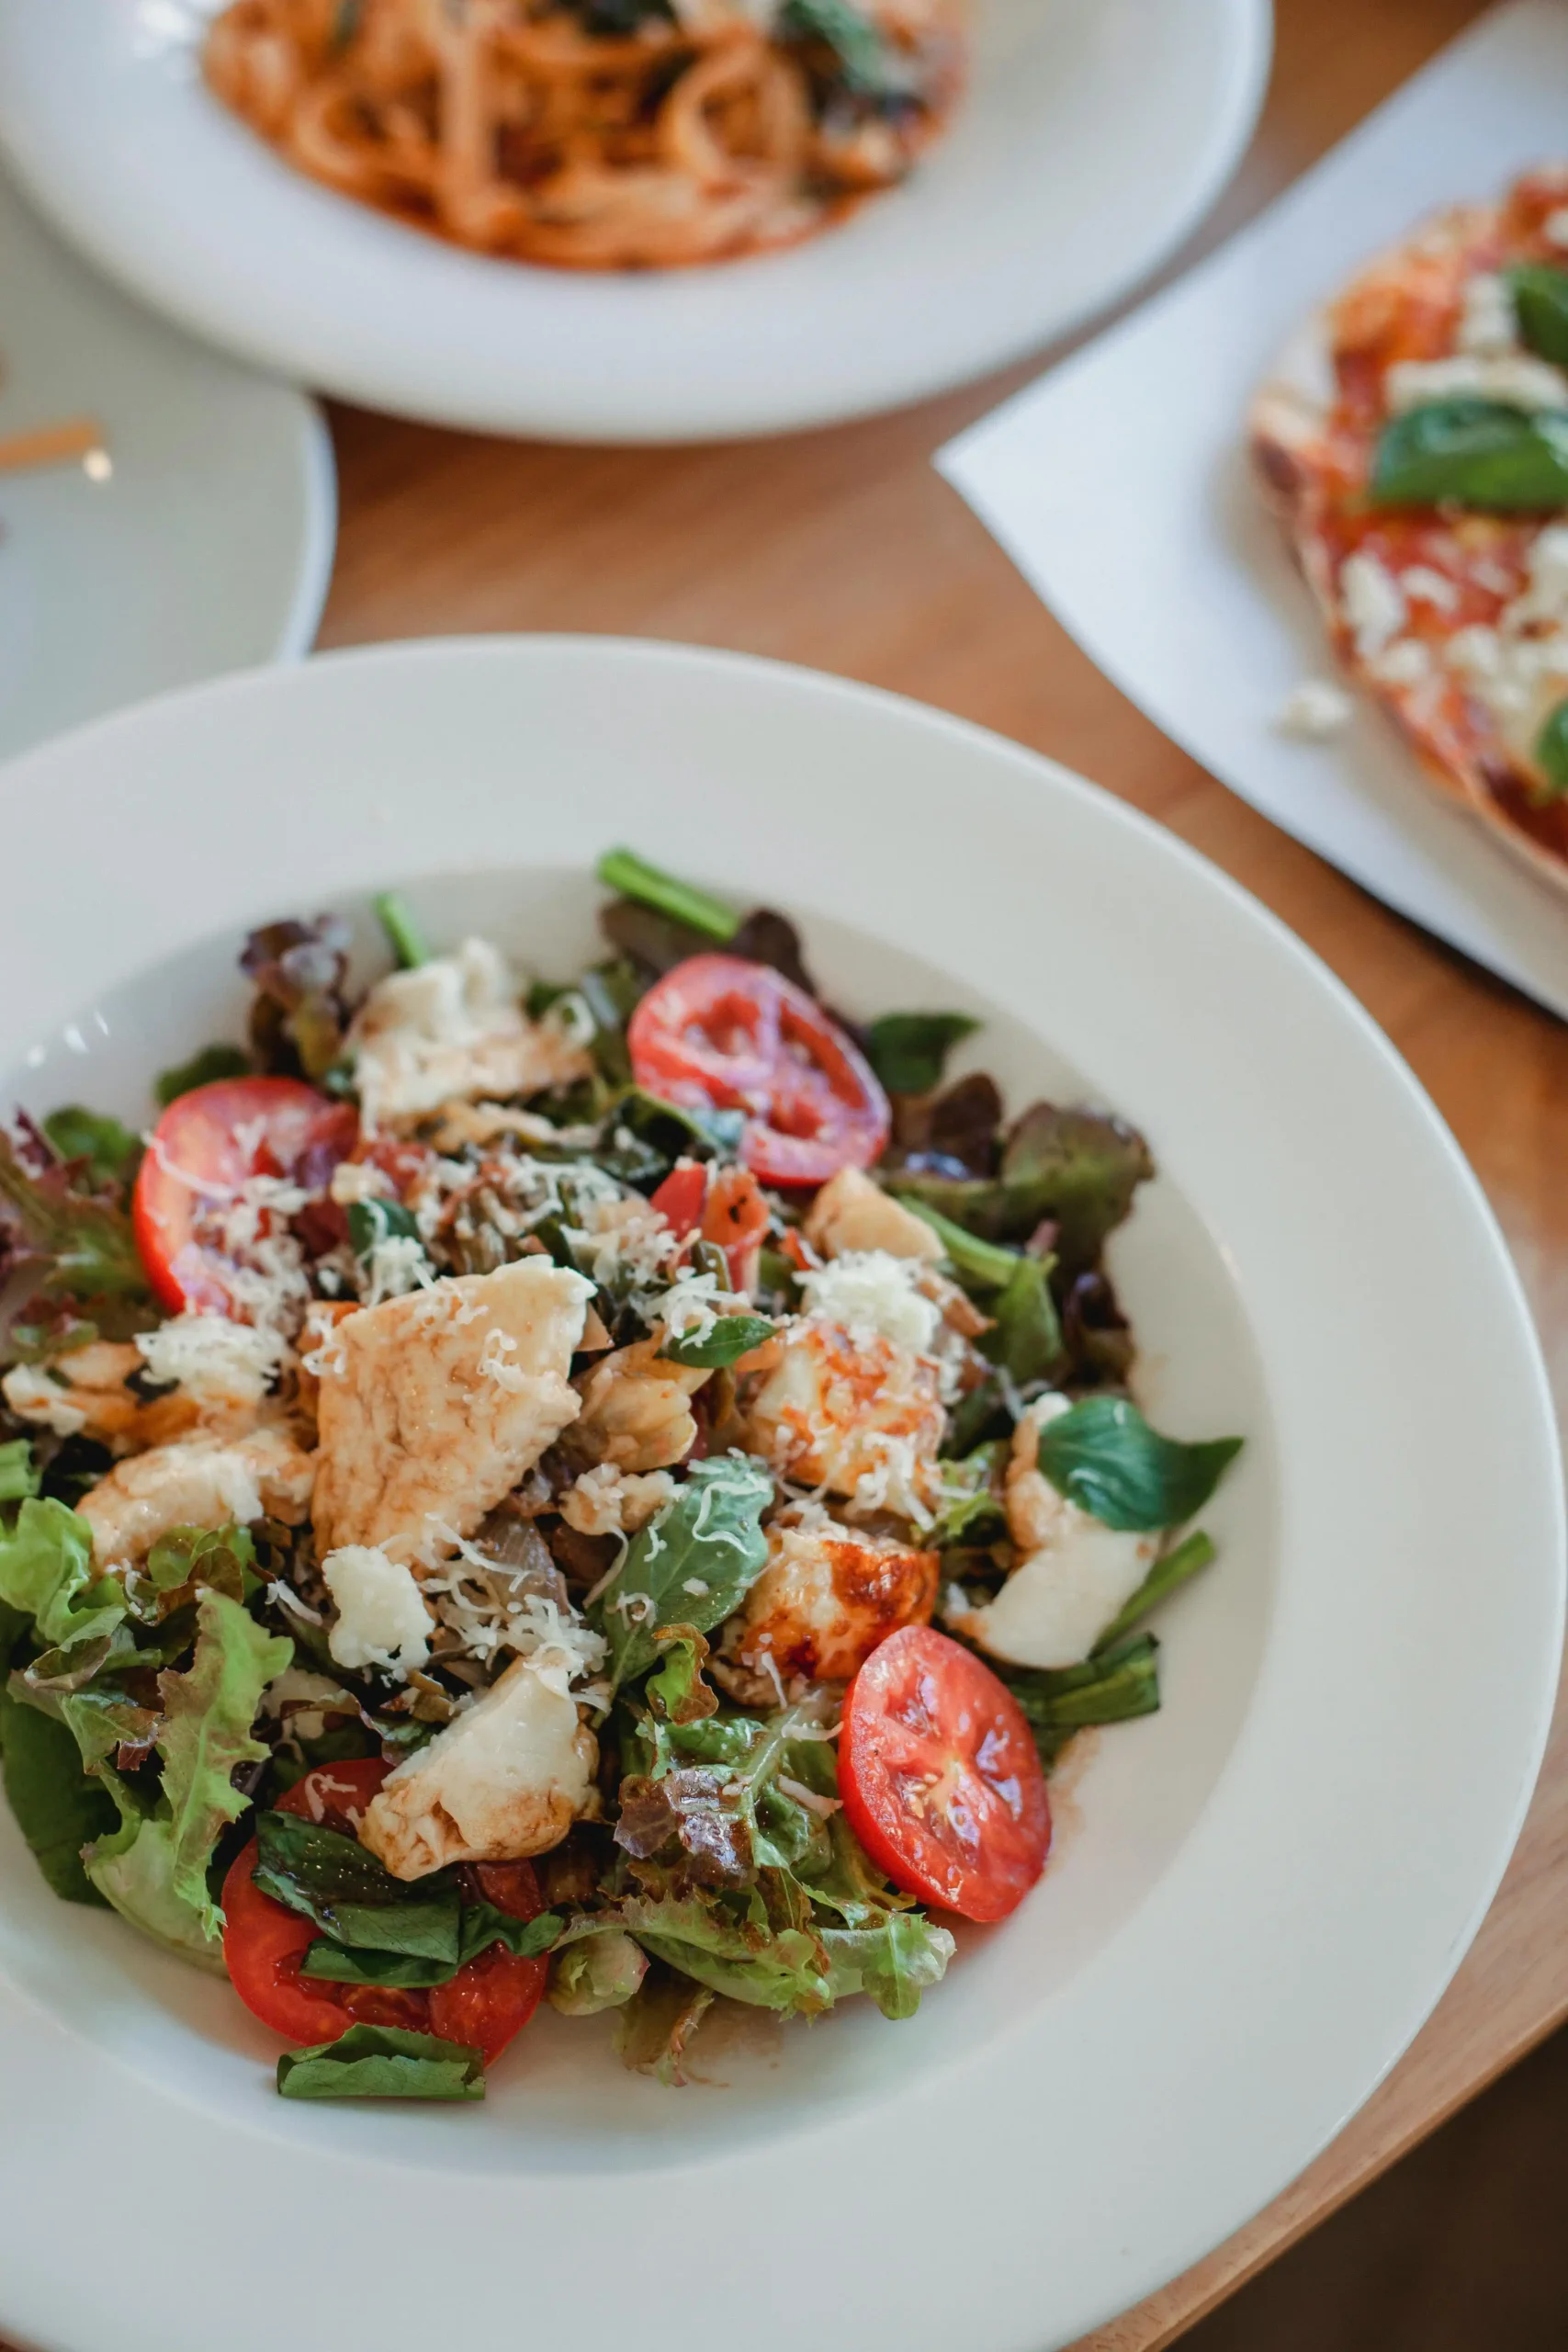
596	134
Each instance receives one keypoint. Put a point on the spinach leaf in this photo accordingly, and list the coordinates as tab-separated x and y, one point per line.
338	1882
1026	1339
1104	1455
623	870
58	1809
482	1926
374	1221
732	1337
1176	1568
1551	754
980	1265
382	2062
46	1569
403	935
203	1068
1474	453
1541	306
1112	1687
710	1535
908	1050
18	1478
110	1150
205	1739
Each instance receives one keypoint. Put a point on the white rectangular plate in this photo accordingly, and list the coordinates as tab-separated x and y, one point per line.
1120	486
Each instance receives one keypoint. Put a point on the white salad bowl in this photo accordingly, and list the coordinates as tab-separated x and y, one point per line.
1255	1897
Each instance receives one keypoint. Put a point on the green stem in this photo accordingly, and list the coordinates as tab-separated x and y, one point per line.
623	870
403	935
1164	1579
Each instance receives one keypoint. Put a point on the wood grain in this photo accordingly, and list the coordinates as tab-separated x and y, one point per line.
845	550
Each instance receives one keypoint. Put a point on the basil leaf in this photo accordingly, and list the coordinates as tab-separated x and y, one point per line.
1474	453
204	1069
710	1535
1102	1455
1168	1575
731	1335
403	935
1551	756
1026	1338
623	870
18	1478
908	1050
1114	1687
482	1926
370	1222
1541	306
110	1150
336	1881
382	2062
983	1265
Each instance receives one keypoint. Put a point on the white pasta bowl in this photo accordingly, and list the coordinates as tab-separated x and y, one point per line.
1094	135
1256	1895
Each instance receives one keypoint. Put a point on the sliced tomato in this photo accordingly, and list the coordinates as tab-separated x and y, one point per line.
939	1775
206	1146
679	1198
737	1217
485	2005
493	1998
719	1033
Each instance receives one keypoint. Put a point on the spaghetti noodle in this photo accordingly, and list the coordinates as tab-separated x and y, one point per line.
595	134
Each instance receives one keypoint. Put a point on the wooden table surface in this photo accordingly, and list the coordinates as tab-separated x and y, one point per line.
843	549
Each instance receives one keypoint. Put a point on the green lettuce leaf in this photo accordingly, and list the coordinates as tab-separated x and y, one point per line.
1102	1455
894	1962
1078	1168
603	1972
654	2030
18	1478
46	1569
382	2062
58	1809
88	1244
711	1536
134	1870
205	1736
110	1150
1026	1339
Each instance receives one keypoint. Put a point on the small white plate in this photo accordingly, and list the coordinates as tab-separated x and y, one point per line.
1120	486
1096	133
1258	1895
208	543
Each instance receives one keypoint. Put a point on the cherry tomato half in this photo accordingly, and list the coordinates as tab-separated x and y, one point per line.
737	1217
679	1198
939	1775
484	2005
718	1033
205	1146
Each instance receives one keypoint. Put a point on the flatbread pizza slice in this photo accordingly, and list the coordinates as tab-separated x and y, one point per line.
1414	441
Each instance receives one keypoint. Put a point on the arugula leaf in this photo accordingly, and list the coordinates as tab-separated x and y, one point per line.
1551	755
623	870
403	935
382	2062
482	1926
374	1221
110	1150
204	1069
1102	1455
1026	1338
338	1883
58	1809
709	1534
603	1972
46	1569
908	1050
1167	1576
1541	306
732	1337
206	1737
18	1478
982	1265
1476	453
1112	1687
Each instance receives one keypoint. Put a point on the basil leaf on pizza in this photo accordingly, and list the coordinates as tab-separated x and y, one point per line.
1476	453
